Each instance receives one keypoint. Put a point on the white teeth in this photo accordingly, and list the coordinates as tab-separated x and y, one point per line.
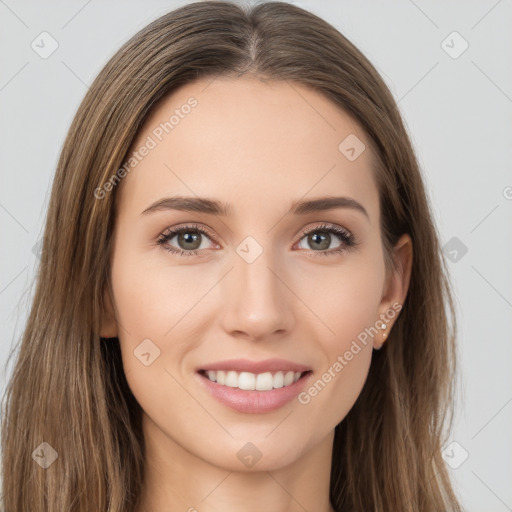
288	378
250	381
231	379
247	381
279	380
264	382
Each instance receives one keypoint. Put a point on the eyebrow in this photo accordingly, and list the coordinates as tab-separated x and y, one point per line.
213	207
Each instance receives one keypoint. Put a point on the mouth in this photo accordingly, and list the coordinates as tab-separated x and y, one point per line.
254	387
248	381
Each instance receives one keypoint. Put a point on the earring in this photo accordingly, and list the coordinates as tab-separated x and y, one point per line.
384	334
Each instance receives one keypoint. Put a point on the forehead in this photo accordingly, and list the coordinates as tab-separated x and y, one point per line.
241	139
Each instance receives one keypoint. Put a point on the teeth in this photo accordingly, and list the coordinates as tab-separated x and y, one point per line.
250	381
278	380
247	381
264	382
231	380
289	378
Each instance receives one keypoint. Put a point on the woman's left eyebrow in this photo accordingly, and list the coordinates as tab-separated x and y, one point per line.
214	207
327	203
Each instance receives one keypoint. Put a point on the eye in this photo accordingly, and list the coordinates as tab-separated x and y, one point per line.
191	240
186	240
320	239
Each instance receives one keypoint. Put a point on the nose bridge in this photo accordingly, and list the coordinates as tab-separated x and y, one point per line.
257	303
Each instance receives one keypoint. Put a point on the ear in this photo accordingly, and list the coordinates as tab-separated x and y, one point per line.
395	289
109	328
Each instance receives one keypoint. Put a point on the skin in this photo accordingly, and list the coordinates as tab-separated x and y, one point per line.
258	147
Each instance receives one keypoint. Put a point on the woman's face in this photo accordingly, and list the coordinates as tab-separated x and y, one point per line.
266	282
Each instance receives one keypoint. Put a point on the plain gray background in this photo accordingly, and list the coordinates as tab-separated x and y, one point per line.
458	109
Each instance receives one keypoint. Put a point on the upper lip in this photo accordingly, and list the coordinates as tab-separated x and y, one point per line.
245	365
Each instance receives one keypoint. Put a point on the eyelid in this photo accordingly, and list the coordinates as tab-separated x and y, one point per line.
190	227
324	226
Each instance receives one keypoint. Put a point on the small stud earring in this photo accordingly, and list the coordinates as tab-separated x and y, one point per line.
384	334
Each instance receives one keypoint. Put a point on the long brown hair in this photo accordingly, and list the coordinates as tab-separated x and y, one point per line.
68	387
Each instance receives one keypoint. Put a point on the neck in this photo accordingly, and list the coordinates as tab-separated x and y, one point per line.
179	481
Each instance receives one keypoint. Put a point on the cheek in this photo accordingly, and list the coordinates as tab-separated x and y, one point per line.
350	312
345	297
155	309
152	296
158	302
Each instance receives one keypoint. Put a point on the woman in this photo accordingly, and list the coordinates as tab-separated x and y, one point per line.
241	299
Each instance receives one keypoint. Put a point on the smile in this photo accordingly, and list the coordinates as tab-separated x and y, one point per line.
254	387
251	381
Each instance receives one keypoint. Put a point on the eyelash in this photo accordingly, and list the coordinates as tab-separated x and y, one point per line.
347	239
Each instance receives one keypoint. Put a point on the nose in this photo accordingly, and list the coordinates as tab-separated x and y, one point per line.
257	302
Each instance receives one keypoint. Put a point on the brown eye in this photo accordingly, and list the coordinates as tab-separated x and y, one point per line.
189	240
319	240
327	239
186	240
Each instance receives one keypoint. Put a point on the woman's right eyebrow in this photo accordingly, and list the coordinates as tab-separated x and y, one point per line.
214	207
190	204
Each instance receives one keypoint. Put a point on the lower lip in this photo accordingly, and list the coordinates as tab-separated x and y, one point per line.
254	402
